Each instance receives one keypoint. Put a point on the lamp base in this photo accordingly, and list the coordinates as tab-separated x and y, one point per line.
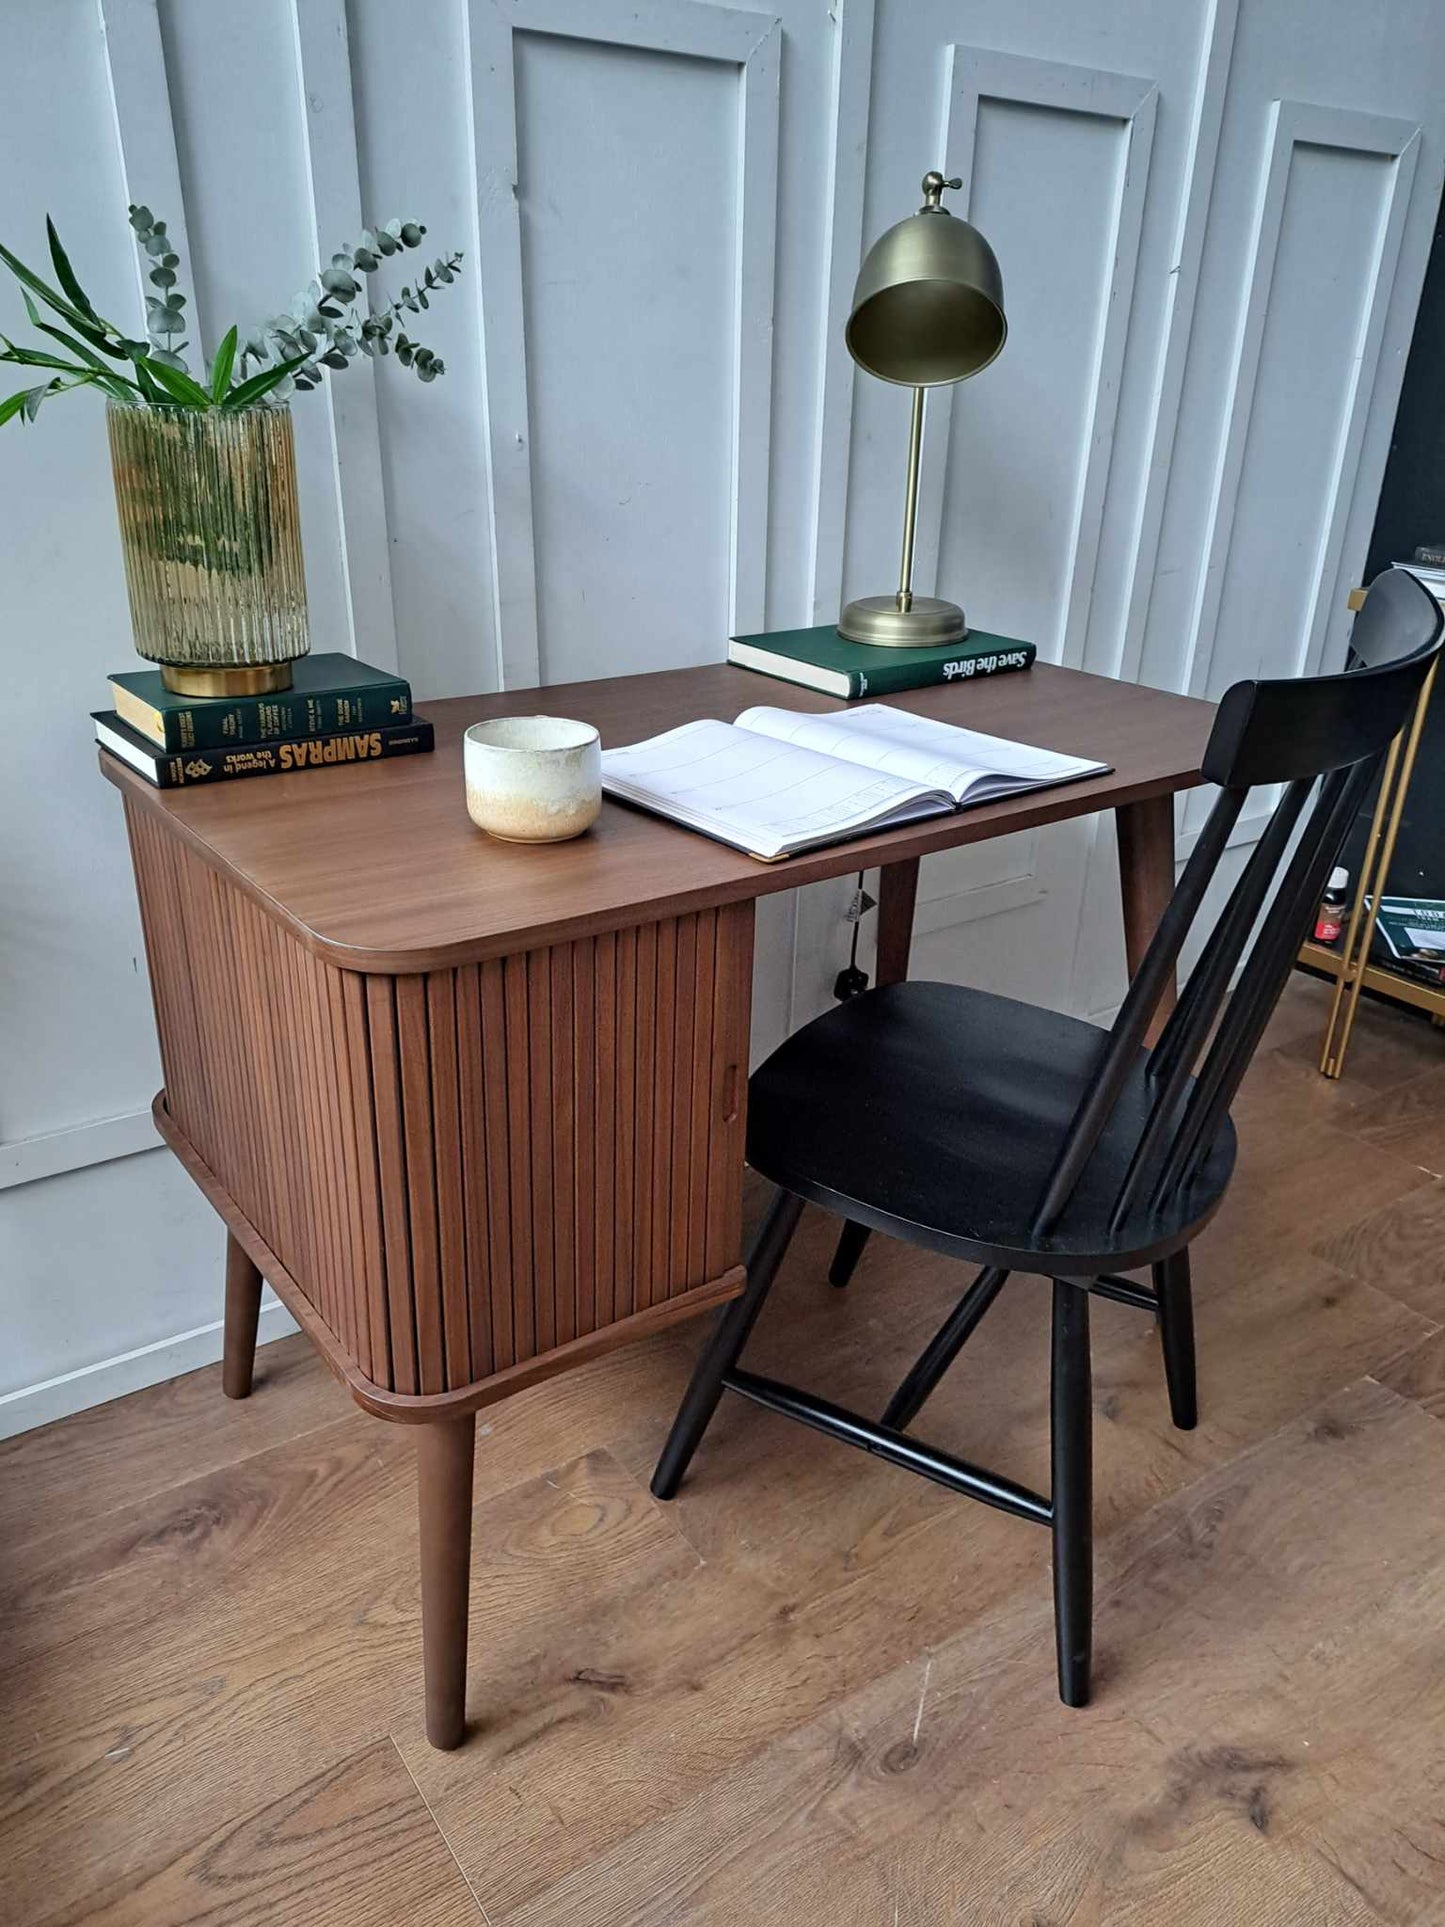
877	619
233	679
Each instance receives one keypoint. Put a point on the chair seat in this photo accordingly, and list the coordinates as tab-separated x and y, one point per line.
935	1113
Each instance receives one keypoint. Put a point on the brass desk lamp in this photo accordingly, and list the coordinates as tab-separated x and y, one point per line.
927	310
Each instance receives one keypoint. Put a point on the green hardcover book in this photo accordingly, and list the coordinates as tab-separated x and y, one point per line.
328	693
822	659
188	767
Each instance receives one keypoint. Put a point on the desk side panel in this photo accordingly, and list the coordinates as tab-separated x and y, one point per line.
264	1053
467	1169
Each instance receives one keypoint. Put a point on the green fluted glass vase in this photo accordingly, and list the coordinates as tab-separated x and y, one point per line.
211	531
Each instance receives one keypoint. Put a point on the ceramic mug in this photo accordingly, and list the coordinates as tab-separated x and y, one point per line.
533	779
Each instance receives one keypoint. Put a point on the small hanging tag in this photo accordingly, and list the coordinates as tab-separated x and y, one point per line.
859	904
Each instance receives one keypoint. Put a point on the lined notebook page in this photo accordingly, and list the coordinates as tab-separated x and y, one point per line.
763	795
965	762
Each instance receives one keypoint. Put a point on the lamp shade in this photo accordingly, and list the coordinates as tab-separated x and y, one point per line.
928	302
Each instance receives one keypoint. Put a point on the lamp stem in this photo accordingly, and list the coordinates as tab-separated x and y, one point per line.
910	505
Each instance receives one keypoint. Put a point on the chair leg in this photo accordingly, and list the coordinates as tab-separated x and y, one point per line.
700	1400
444	1450
851	1241
243	1311
1071	1451
1176	1328
944	1346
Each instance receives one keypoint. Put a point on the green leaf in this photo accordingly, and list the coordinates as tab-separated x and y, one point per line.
111	380
141	219
95	340
12	405
221	367
145	381
47	294
261	384
179	387
65	275
35	358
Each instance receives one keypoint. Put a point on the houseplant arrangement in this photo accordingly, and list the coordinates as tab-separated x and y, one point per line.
204	463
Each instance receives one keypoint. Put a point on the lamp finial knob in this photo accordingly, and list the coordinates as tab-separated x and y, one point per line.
933	186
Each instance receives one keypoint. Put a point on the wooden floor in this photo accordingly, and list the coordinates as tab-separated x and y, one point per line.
814	1689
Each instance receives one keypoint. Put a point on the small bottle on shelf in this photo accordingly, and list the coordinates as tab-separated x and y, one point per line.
1330	922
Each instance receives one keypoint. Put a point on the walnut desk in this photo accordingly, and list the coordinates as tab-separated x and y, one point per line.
475	1110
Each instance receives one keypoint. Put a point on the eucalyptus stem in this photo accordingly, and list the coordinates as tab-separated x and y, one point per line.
323	329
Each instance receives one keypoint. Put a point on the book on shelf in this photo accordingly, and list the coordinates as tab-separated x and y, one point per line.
822	659
1410	936
185	767
777	781
329	692
1430	573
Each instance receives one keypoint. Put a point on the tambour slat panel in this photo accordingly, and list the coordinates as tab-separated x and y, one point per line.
442	993
372	1236
520	1204
625	1260
478	1269
684	1019
604	1134
644	1111
541	1143
391	1170
564	1162
584	1102
700	1082
660	1154
413	1044
497	1163
466	1169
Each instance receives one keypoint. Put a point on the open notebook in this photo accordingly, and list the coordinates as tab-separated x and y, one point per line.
777	781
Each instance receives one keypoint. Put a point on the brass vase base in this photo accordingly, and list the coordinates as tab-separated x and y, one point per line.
241	679
881	621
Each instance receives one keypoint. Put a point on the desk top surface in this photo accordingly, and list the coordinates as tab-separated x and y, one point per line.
378	867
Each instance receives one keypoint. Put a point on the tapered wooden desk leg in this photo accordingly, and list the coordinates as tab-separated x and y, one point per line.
243	1309
897	895
1146	876
444	1494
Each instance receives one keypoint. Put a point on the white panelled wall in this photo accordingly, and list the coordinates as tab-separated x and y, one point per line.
1212	219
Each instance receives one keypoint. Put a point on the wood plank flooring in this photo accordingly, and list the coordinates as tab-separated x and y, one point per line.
813	1689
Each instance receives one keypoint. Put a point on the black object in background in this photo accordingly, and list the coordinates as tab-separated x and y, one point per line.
1412	512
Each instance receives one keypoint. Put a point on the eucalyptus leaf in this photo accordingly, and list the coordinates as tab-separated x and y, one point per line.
141	219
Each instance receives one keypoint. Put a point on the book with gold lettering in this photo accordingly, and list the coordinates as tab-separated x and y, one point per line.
329	694
190	766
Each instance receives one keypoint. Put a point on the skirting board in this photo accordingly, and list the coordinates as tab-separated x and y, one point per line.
31	1405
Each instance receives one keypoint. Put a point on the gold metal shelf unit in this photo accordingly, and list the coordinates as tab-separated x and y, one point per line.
1350	966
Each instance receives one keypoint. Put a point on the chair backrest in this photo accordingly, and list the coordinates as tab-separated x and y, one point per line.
1322	735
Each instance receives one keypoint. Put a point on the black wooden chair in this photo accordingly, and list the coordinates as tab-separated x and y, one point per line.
1022	1140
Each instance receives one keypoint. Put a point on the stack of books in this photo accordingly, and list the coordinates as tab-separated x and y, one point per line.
337	710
